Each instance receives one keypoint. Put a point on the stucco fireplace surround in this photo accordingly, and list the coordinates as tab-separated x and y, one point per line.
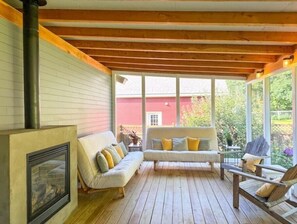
16	145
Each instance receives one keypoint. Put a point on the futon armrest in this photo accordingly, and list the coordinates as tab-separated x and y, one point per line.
229	152
269	167
236	172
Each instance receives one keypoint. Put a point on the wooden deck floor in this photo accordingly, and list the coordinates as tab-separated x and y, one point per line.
176	193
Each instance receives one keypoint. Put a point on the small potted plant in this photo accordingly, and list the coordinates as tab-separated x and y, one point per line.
229	139
133	136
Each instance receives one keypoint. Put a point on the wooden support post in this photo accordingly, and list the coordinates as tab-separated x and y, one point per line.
244	169
222	173
81	181
122	191
258	171
155	165
235	191
211	166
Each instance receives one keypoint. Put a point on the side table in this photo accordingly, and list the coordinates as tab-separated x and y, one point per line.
232	158
133	148
233	147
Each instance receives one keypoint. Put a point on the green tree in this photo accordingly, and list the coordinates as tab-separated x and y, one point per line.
229	112
197	114
281	91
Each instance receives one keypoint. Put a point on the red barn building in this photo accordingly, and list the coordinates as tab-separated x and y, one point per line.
160	99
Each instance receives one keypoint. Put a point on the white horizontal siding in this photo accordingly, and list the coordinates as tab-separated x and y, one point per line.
11	78
71	92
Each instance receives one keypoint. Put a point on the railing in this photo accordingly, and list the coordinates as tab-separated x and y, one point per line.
281	139
123	132
281	114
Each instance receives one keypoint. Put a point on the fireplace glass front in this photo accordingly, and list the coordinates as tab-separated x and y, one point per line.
48	182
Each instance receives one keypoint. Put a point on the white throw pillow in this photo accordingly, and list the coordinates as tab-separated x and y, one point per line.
251	161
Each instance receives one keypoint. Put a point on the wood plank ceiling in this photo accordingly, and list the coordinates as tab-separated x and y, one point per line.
210	42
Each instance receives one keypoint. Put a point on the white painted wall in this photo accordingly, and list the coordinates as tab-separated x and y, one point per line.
72	92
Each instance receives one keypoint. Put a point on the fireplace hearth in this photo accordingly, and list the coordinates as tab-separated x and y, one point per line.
48	182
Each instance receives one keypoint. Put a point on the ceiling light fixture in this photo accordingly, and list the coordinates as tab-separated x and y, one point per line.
287	61
121	79
259	73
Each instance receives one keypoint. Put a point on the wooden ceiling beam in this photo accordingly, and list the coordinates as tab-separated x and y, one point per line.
183	56
188	36
215	64
169	17
168	71
186	48
183	68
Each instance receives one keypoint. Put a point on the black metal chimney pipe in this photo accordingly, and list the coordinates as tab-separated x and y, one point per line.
31	62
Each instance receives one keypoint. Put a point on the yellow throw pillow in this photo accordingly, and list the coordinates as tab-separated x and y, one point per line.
266	189
119	150
108	157
193	144
251	161
167	144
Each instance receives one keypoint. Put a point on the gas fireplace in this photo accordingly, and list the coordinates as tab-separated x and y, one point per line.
48	182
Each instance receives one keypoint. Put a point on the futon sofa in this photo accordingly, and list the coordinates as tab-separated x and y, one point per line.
210	156
89	174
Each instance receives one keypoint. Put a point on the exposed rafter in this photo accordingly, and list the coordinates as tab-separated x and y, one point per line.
215	64
168	71
185	48
188	36
184	56
184	68
170	18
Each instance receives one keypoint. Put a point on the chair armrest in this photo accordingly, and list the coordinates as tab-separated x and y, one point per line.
236	172
268	167
290	182
229	152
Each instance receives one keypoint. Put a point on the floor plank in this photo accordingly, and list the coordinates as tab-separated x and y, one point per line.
186	198
175	193
123	213
151	199
168	200
159	203
194	199
205	205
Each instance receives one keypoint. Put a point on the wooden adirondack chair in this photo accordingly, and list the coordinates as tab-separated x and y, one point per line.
249	187
258	147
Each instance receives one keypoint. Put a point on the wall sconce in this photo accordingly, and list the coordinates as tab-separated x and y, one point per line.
287	61
121	79
259	73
